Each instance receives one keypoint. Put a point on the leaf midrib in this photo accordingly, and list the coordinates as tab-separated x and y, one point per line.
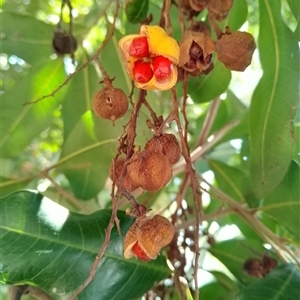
276	76
85	250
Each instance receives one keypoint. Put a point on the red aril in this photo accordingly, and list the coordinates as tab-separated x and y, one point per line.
162	67
139	252
139	47
142	71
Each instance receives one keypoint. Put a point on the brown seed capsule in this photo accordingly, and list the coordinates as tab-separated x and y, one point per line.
110	103
196	50
63	43
235	50
219	8
202	27
115	176
150	170
146	237
254	267
167	144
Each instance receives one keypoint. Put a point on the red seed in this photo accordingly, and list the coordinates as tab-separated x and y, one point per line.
162	67
139	252
139	47
142	71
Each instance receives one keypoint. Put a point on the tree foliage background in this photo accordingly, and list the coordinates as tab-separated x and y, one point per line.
243	133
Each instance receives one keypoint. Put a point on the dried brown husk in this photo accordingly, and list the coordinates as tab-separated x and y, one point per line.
166	144
197	5
151	234
205	43
110	103
219	8
150	170
201	26
235	50
116	172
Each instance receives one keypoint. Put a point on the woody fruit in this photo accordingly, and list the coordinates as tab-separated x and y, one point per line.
110	103
115	174
150	170
146	237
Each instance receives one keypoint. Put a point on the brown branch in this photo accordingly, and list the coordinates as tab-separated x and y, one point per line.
115	207
194	184
166	14
109	35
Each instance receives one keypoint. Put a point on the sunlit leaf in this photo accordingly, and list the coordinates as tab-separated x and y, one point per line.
40	238
85	160
19	123
274	101
78	98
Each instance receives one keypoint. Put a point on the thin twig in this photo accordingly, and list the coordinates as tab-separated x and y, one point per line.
109	35
166	14
115	207
194	184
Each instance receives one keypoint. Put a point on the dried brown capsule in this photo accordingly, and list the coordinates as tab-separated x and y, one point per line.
202	27
235	50
150	170
110	103
115	176
219	8
63	43
167	144
146	237
196	50
253	267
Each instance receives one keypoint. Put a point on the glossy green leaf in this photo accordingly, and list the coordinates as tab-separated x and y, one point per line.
40	238
85	160
207	87
233	253
19	123
274	101
280	284
136	10
283	204
215	291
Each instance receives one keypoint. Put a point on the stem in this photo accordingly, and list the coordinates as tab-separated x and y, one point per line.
194	184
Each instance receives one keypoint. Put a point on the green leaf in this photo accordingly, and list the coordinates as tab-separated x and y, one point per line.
136	10
229	179
19	123
208	87
233	253
40	238
283	204
19	39
274	101
78	98
9	185
237	15
85	160
280	284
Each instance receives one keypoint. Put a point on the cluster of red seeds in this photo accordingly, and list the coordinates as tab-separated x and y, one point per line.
146	67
